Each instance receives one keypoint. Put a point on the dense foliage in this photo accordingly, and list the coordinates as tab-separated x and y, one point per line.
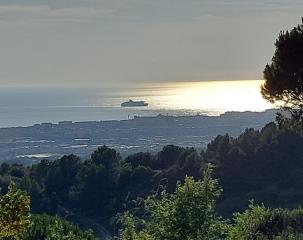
100	186
283	77
53	228
261	223
17	223
264	165
189	214
14	213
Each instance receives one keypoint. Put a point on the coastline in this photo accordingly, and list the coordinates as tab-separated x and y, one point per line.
141	133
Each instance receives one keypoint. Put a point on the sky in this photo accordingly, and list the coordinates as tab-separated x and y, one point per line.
122	42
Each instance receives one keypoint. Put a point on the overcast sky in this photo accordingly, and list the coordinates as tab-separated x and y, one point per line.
127	41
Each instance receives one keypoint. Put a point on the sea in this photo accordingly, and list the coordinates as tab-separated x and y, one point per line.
29	105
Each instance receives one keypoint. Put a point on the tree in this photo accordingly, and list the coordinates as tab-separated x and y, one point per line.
129	230
186	215
14	213
247	224
261	223
284	75
54	228
284	79
106	156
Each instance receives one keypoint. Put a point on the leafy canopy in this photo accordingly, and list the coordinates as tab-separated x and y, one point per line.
54	228
284	75
14	213
187	214
261	223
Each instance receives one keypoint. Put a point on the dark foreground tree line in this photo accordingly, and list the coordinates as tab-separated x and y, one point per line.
187	214
190	214
16	222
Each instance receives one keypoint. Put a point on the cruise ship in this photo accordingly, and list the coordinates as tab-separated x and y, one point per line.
132	103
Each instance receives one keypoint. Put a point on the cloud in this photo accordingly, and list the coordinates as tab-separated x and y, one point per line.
132	10
139	40
47	13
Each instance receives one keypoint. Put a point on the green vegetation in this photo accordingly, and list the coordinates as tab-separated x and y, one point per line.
284	78
17	223
261	223
14	213
54	228
189	214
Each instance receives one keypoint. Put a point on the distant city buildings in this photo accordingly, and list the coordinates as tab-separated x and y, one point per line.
50	141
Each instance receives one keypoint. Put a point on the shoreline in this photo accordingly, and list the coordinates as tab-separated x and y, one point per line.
158	114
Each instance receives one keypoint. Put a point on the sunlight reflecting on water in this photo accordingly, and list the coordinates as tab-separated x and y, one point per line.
24	106
218	96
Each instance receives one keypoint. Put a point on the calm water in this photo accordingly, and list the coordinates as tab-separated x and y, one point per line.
24	106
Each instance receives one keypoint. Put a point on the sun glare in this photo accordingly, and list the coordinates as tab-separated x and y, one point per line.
214	95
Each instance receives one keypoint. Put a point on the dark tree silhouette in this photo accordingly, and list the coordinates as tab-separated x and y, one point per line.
284	75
